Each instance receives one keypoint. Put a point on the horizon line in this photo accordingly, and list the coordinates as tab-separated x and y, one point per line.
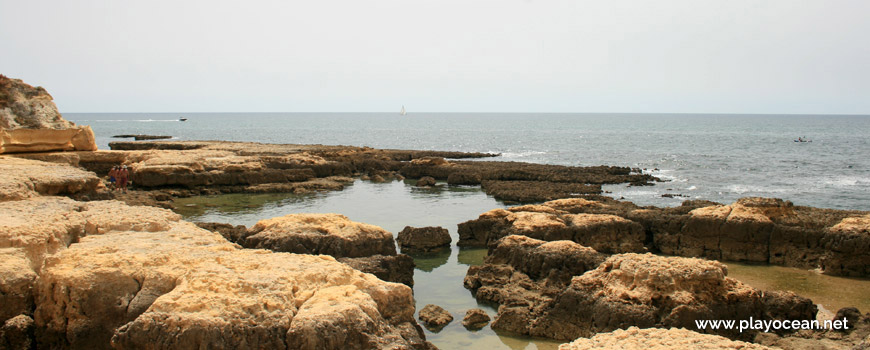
454	112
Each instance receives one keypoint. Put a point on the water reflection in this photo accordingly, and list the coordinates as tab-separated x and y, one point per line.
471	256
428	261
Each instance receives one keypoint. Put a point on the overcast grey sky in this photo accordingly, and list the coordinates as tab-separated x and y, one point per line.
734	56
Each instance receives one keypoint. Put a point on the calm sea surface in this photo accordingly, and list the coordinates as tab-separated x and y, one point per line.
714	157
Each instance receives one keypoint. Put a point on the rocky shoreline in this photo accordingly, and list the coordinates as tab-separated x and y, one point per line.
82	267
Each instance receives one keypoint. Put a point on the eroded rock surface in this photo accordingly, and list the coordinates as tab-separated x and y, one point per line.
30	122
602	232
475	319
23	178
423	239
393	268
330	234
434	316
764	230
634	338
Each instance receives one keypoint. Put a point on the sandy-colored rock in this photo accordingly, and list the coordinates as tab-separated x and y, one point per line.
187	288
654	291
23	178
430	161
330	234
475	319
426	181
30	122
634	338
435	316
17	333
602	232
16	284
423	239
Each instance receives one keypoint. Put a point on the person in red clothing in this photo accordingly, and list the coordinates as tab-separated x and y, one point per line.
123	177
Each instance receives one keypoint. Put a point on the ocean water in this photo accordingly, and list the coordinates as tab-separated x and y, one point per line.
713	157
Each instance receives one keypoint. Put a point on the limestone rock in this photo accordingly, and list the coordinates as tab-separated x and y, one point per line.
475	319
30	122
16	284
17	333
653	291
23	178
396	268
330	234
435	316
423	239
634	338
189	288
430	161
426	181
602	232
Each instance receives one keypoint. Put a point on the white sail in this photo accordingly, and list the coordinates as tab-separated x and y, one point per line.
402	112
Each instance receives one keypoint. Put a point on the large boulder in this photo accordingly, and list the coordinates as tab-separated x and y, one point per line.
329	234
24	178
635	338
392	268
434	316
30	122
602	232
423	239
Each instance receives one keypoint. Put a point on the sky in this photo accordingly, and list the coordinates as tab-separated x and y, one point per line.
664	56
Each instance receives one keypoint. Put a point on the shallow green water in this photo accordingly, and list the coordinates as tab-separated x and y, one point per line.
438	277
394	205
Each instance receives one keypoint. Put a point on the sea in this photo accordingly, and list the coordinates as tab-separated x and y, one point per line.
701	156
712	157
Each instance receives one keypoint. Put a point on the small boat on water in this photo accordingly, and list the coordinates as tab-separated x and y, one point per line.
182	119
802	139
402	112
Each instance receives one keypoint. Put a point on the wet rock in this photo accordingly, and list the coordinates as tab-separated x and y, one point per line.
24	178
423	239
435	316
396	268
536	191
657	338
233	233
602	232
329	234
851	315
139	137
425	181
30	122
475	319
17	333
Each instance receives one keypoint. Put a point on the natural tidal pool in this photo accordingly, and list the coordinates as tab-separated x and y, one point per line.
438	276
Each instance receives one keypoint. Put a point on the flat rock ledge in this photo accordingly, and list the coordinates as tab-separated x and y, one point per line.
105	275
757	230
559	290
365	247
423	239
635	338
24	178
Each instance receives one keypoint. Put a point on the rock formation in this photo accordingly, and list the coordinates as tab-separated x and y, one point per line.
426	181
393	268
30	122
625	290
475	319
330	234
423	239
142	278
602	232
634	338
434	316
23	178
752	229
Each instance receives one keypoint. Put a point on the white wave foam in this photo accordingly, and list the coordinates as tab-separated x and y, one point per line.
692	188
521	154
847	181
